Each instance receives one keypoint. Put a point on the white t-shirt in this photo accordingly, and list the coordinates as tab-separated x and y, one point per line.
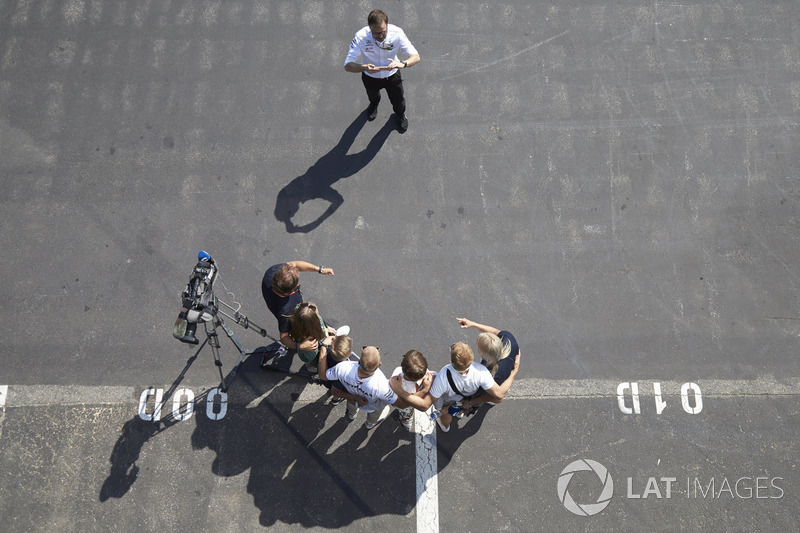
366	49
409	386
477	377
375	388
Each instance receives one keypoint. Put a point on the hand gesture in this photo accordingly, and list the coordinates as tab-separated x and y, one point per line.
372	69
465	323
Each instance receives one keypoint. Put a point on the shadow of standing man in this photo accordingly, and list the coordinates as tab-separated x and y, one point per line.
317	182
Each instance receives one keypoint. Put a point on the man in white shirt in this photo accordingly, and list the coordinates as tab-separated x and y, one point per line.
367	387
467	376
412	371
373	53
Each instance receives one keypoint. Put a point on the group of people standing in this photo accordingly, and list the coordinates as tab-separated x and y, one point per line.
458	389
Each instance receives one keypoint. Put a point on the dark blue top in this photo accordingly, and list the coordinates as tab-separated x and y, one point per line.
280	306
504	366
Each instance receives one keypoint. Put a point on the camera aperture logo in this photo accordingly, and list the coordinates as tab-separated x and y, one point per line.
586	509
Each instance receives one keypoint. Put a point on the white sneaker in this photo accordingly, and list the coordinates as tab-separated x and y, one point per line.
344	330
441	426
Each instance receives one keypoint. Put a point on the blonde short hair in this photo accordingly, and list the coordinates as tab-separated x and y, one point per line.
461	356
341	348
370	359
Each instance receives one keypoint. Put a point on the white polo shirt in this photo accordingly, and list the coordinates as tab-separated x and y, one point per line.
366	50
374	388
477	377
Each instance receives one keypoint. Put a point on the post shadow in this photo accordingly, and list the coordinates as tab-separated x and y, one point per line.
317	182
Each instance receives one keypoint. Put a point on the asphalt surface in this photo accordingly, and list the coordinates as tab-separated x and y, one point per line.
614	182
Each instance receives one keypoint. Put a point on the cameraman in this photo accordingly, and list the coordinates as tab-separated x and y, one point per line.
280	288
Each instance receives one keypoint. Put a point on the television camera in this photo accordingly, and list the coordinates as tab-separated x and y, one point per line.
201	306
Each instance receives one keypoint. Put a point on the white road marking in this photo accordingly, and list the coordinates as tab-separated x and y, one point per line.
594	388
427	482
427	509
3	395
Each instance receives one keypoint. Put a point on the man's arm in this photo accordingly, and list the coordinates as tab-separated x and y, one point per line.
305	266
412	60
420	400
288	341
354	66
339	393
497	393
322	366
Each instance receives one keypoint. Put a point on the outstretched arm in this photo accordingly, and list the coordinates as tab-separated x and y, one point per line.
498	392
305	266
483	328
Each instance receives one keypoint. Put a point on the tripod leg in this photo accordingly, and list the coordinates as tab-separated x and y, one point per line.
213	340
242	352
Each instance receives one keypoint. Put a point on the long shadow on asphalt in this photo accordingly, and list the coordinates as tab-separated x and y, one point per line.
300	471
317	182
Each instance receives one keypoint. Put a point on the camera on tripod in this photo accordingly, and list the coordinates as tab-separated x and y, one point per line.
199	304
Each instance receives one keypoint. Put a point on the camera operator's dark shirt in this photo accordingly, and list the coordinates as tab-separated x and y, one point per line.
280	306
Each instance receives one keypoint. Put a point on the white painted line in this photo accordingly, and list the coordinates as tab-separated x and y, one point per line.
427	482
529	388
34	395
591	388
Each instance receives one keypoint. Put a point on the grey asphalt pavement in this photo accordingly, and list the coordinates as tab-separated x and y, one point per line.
614	182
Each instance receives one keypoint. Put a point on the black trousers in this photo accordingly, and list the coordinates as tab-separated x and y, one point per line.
394	88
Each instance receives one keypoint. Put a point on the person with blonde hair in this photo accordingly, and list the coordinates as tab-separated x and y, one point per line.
333	351
366	388
497	348
456	384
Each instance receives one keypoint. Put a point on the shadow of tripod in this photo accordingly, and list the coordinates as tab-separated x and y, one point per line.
212	338
317	182
141	428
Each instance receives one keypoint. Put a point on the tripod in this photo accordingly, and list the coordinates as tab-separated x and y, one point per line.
213	339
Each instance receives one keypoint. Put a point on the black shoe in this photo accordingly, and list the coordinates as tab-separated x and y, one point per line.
372	112
402	123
